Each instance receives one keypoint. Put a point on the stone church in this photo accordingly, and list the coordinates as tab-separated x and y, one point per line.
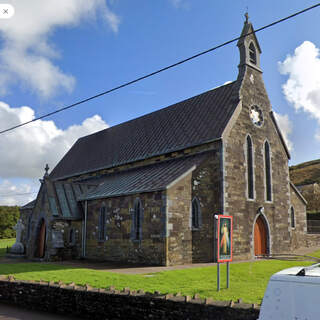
147	190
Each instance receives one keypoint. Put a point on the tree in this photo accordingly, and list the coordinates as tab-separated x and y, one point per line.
8	219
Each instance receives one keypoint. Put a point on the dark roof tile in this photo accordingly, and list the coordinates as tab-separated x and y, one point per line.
143	179
191	122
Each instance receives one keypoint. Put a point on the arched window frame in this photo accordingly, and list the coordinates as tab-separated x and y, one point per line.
249	151
252	53
137	220
72	237
267	172
292	218
196	216
102	223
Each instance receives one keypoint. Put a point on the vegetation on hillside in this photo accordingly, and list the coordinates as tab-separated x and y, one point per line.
8	219
305	173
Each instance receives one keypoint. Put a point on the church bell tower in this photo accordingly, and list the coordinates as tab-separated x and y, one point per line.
249	49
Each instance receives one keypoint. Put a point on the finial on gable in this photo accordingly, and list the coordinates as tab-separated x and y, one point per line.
46	170
247	16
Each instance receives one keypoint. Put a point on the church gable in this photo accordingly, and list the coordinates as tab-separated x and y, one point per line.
255	160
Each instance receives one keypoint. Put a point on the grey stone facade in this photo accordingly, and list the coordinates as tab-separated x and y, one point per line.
211	169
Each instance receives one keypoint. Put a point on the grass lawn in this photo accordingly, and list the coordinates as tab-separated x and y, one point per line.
247	280
3	245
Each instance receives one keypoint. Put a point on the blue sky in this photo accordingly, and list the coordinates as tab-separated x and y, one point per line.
53	53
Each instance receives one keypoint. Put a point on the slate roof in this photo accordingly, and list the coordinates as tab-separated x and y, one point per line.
296	190
144	179
62	197
29	205
188	123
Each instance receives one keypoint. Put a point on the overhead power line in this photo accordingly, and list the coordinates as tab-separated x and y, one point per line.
17	194
158	71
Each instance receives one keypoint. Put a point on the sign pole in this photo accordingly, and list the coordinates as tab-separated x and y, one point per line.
228	274
224	231
218	276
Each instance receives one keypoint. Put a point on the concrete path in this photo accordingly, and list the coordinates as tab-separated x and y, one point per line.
8	312
136	269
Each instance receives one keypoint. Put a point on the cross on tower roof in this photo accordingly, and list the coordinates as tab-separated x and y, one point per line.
46	170
247	17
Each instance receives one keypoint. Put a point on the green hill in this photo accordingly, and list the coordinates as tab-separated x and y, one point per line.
305	173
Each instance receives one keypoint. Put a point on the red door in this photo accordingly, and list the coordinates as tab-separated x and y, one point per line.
260	237
42	239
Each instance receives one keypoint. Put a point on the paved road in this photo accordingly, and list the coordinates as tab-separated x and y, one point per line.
15	313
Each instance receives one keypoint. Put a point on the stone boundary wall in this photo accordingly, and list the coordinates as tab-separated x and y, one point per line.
90	303
312	240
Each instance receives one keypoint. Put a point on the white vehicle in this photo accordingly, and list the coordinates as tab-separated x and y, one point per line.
293	294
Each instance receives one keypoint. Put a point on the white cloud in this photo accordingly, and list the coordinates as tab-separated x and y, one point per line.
285	126
26	56
178	3
16	194
302	89
25	151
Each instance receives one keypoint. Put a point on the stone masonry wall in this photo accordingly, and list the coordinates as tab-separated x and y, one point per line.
244	210
30	236
89	303
118	245
40	212
298	234
185	244
179	235
207	187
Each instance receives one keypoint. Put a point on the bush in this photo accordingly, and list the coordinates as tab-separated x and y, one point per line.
8	219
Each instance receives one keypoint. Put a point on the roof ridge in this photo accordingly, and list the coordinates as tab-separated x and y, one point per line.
190	122
161	109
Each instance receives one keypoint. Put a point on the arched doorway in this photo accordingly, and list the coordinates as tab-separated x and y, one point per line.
41	245
260	237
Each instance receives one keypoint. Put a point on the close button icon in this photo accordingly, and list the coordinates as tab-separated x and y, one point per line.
6	11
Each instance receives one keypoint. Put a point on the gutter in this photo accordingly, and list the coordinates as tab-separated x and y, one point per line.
84	231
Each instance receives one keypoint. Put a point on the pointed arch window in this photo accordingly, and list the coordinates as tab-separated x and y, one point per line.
292	218
72	238
196	214
267	171
137	220
102	224
252	53
250	168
